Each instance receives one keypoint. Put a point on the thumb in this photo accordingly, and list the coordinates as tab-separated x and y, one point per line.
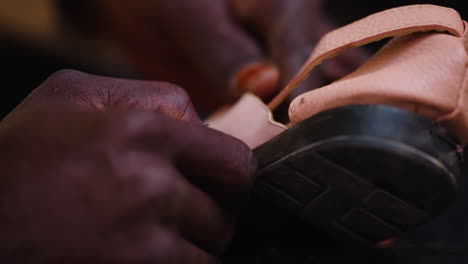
291	29
222	52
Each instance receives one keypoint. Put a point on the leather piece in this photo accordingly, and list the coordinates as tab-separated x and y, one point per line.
249	120
393	22
421	72
457	120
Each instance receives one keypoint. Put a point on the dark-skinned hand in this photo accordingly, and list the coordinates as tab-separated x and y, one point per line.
103	170
218	49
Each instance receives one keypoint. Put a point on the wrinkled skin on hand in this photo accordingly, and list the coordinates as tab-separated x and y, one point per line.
102	170
205	46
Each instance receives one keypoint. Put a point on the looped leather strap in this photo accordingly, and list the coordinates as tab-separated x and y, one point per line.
389	23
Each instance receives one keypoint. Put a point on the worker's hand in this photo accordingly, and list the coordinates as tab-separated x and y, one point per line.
70	87
98	170
218	49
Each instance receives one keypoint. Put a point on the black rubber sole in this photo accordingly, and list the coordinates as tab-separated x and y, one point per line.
362	173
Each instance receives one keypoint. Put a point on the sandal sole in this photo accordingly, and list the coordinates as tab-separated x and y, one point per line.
362	173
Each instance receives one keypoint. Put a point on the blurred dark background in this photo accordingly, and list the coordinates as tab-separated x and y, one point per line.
38	38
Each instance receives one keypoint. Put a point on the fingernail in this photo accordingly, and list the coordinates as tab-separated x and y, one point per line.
258	78
387	243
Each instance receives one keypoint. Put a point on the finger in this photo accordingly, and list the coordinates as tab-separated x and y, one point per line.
191	254
291	29
291	41
222	165
202	221
152	245
196	216
219	164
77	88
216	46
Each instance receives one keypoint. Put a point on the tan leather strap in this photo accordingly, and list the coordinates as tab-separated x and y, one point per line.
389	23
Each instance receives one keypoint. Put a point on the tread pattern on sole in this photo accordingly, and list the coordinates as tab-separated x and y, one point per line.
363	172
331	197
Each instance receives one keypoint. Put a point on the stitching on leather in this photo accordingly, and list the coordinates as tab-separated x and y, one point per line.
427	23
375	36
465	36
293	110
398	9
387	30
461	91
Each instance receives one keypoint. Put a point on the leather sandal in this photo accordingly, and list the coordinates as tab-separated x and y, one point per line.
378	152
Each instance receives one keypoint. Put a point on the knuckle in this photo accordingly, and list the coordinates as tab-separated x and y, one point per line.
141	124
181	93
166	185
173	90
175	101
66	76
61	83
